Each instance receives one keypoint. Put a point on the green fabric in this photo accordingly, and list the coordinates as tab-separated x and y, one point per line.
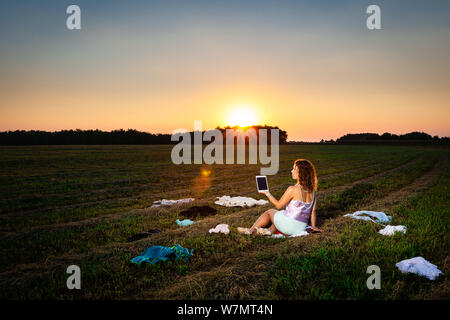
155	254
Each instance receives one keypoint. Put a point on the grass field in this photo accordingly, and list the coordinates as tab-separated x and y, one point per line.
64	205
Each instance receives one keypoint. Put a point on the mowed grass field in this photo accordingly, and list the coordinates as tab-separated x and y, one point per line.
65	205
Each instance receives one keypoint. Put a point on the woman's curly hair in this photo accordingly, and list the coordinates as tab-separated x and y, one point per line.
306	174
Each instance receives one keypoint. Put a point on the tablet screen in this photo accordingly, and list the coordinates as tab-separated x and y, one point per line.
261	182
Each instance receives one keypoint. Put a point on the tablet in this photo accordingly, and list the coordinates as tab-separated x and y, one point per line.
261	183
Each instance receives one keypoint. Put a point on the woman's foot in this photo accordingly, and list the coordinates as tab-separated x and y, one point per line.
263	231
252	230
243	230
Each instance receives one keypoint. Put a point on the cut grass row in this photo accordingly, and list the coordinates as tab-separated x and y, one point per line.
363	193
209	252
49	192
98	172
42	220
56	242
79	212
67	192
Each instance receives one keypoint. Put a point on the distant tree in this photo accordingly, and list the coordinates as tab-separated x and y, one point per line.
388	137
78	136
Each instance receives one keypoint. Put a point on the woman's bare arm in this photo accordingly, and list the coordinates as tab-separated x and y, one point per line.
287	196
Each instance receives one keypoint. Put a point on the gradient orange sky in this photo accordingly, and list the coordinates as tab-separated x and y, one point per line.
313	69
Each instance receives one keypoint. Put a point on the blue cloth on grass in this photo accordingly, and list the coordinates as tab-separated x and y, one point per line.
155	254
185	222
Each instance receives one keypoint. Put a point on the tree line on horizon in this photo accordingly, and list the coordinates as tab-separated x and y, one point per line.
95	137
132	136
414	137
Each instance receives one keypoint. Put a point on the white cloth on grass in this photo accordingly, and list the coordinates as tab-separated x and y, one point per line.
228	201
220	228
390	230
165	202
419	266
304	233
380	217
277	236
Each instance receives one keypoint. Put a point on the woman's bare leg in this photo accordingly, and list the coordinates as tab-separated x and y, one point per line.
272	228
263	220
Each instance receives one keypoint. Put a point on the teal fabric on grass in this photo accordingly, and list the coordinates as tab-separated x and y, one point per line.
185	222
155	254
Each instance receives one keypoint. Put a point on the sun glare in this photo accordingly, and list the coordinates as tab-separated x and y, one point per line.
242	116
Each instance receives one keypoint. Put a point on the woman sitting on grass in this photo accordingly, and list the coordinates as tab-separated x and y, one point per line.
300	202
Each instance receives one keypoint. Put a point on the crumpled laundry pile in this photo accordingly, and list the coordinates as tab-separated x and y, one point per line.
228	201
390	230
184	223
380	217
419	266
165	202
155	254
220	228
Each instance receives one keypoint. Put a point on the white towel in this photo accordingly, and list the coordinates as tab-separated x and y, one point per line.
228	201
222	228
304	233
390	230
165	202
419	266
380	217
277	236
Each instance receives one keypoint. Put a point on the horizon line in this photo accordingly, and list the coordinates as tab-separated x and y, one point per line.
226	127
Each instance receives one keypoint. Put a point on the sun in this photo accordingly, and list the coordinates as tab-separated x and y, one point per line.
242	116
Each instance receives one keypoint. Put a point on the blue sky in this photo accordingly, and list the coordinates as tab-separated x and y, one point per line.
159	65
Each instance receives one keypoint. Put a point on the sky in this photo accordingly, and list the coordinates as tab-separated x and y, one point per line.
312	68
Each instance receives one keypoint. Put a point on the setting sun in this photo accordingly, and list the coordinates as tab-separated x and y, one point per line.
242	116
